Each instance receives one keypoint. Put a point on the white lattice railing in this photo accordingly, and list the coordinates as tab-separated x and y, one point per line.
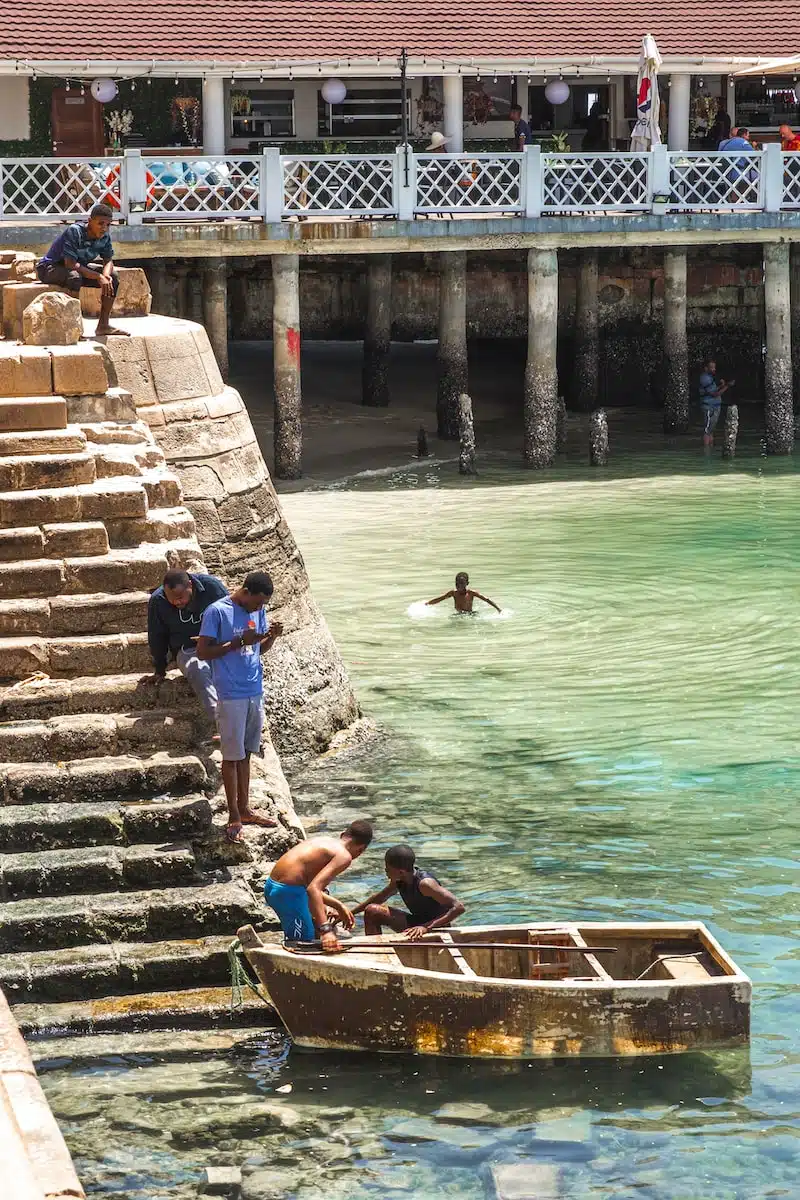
449	183
211	186
716	181
791	180
596	182
338	185
272	187
56	188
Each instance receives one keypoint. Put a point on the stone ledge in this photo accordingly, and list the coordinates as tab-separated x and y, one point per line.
35	1158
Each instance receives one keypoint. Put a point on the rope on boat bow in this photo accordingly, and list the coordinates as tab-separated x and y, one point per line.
240	978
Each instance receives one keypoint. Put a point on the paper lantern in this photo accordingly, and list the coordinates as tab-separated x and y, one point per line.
334	91
557	91
104	90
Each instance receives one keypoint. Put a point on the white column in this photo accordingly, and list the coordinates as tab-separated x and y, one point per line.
454	112
214	115
730	100
679	98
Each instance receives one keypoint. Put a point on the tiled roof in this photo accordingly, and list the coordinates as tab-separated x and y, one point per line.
240	30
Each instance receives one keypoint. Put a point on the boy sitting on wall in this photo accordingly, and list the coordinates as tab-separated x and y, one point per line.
82	256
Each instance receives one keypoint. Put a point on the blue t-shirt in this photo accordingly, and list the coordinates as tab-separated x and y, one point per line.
238	675
522	129
708	386
75	243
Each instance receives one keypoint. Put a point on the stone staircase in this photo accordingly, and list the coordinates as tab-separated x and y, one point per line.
118	894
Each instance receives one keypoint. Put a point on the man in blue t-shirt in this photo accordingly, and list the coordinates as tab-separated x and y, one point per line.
174	616
82	256
234	633
711	393
522	130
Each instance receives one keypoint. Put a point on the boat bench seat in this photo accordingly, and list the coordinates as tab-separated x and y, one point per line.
684	967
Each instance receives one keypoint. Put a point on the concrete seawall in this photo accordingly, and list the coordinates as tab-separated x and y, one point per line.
34	1159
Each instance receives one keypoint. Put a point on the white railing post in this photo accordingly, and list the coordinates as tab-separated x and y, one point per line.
271	185
2	189
404	194
660	184
132	187
772	173
532	181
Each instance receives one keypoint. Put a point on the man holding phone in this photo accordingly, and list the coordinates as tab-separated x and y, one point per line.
234	633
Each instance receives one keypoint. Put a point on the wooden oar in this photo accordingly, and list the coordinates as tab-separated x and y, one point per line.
389	945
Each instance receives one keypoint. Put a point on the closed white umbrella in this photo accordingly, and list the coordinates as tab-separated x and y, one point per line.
646	132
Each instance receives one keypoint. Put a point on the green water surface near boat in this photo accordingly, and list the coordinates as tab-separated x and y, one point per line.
620	744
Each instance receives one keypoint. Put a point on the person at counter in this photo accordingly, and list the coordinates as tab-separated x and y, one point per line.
522	130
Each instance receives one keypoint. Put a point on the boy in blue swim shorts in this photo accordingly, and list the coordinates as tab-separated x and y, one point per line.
296	886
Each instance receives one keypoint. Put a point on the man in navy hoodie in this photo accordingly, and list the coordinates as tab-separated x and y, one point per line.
174	615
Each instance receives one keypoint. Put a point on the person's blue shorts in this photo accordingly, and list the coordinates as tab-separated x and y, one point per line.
710	417
290	902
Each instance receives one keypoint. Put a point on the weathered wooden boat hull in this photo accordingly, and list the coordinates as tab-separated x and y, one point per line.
374	1001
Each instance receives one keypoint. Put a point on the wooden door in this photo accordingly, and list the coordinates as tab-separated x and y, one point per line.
77	123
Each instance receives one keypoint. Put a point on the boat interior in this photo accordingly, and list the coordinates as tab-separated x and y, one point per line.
566	952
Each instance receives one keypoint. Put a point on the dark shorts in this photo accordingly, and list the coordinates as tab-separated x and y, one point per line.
57	275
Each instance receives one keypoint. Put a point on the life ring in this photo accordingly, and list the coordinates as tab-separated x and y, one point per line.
112	198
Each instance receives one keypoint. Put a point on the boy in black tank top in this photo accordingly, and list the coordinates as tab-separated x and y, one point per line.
430	906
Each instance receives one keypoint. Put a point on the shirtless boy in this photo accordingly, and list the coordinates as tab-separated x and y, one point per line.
430	906
463	595
296	886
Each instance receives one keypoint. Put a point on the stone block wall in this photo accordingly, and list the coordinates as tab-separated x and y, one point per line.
206	436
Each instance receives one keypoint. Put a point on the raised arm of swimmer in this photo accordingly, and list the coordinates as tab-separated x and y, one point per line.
439	599
486	600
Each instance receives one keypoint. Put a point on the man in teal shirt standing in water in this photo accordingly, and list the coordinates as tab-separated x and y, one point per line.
234	633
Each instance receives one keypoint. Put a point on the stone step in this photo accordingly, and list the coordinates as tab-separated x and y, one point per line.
118	968
32	782
86	869
47	698
146	916
88	735
96	613
118	433
191	1008
58	826
141	568
163	489
33	471
71	440
59	657
54	541
112	460
196	1044
160	525
98	501
24	414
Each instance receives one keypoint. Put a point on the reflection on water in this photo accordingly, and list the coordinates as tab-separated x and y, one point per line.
623	745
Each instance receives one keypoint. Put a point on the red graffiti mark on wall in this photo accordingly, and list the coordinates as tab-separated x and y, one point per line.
293	344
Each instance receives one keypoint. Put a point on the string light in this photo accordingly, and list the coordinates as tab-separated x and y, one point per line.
35	76
529	81
495	78
66	89
83	89
133	85
261	77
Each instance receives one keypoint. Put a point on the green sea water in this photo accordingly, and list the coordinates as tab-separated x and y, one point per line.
621	743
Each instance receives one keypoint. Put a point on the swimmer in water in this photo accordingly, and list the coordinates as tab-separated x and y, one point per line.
463	595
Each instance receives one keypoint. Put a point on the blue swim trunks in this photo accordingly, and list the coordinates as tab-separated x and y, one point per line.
290	902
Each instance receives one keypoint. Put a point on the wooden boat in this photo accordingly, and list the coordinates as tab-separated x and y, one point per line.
512	991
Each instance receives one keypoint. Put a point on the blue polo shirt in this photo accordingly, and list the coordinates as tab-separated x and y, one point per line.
75	243
522	129
238	675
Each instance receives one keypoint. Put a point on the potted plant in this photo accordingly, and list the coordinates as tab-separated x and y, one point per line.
119	125
241	104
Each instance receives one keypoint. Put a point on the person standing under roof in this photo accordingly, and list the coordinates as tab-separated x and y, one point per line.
174	615
522	130
82	256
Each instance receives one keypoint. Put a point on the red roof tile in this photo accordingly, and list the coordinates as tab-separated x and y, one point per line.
239	30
